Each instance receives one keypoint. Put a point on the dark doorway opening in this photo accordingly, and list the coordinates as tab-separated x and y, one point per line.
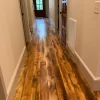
64	18
39	8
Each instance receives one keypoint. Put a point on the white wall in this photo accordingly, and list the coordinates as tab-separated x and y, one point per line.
11	37
91	38
87	44
52	10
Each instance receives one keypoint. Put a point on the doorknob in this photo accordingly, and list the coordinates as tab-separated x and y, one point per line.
60	12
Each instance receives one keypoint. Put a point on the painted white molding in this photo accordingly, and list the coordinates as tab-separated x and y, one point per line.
85	66
72	33
94	82
15	72
70	48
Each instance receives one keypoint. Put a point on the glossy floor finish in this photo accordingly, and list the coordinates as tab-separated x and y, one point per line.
49	73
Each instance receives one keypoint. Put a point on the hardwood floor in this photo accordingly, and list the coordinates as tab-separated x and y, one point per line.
49	72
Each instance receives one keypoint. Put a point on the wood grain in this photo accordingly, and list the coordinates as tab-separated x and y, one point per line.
49	72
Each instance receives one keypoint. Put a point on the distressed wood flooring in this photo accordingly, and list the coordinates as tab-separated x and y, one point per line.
49	73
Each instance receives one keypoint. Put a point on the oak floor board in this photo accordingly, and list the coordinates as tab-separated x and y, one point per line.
49	73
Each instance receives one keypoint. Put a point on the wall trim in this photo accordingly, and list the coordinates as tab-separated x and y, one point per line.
52	24
85	66
70	48
94	82
15	72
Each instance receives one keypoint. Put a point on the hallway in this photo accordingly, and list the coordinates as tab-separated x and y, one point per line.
49	73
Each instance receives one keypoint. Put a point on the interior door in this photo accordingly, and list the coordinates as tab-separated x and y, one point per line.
40	8
64	18
25	20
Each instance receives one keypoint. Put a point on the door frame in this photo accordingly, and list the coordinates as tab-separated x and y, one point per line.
3	91
47	8
60	19
57	16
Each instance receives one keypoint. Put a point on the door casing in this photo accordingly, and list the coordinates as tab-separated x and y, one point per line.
56	15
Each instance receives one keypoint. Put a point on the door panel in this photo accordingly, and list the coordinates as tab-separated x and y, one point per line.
25	20
64	18
40	8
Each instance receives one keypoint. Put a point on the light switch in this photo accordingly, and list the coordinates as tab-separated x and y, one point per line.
97	7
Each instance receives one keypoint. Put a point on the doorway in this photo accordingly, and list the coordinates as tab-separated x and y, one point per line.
25	20
63	20
40	8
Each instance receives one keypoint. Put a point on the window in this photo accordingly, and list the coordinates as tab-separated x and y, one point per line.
39	4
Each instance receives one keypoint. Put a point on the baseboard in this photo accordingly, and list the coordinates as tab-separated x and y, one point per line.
94	82
52	24
15	72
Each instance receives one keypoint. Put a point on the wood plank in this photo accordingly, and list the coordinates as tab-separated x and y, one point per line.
50	73
26	95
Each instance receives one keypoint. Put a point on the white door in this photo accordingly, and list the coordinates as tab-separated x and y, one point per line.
25	20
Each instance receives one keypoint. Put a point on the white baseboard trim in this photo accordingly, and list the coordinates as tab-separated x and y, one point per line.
70	48
94	82
52	24
15	72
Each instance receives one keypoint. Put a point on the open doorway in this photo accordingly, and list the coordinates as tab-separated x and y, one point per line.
40	10
63	20
26	7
